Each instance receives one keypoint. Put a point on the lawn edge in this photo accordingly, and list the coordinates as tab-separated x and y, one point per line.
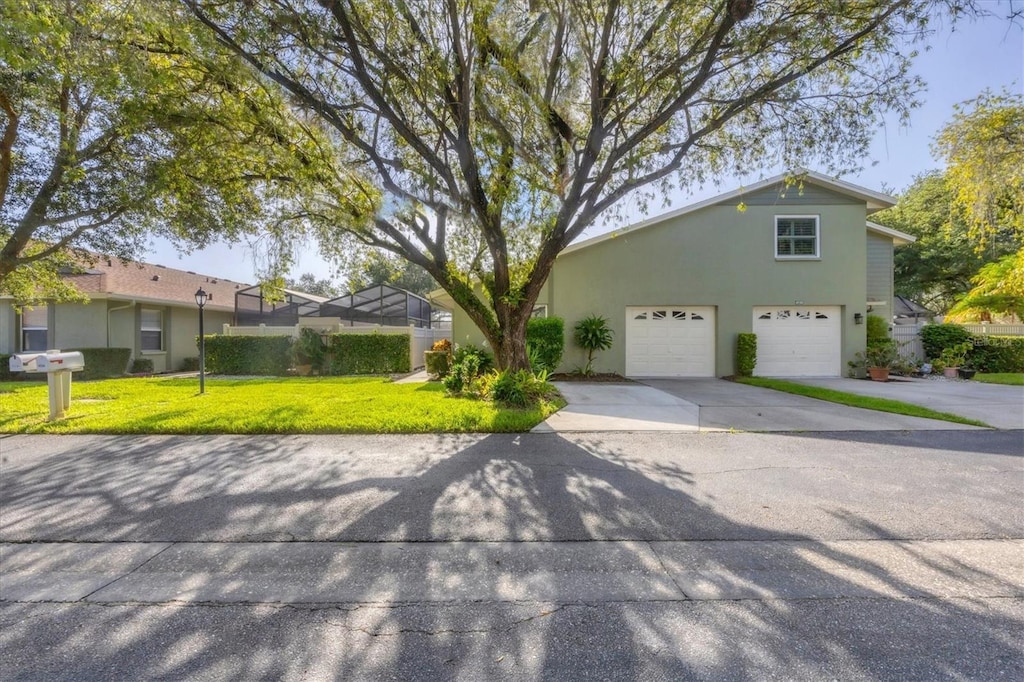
854	400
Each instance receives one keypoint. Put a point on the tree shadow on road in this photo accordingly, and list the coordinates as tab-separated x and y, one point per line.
534	625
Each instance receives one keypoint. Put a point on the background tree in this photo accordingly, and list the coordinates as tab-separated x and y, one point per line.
983	147
998	289
936	270
310	284
376	267
499	132
119	119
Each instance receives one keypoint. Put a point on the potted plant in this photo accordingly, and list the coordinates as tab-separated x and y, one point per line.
880	358
308	352
953	358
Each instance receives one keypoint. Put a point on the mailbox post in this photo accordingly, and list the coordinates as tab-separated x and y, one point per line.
58	367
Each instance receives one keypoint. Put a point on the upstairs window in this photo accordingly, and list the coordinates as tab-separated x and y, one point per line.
152	329
33	328
796	236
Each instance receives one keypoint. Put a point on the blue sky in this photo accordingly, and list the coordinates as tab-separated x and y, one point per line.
960	64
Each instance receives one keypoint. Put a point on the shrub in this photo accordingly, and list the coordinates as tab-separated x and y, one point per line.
592	334
485	361
103	363
545	342
877	331
369	353
938	337
746	353
997	354
309	349
248	355
464	377
437	362
190	364
142	366
5	367
442	346
516	389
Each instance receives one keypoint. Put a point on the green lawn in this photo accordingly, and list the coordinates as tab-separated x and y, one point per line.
855	400
1007	379
282	405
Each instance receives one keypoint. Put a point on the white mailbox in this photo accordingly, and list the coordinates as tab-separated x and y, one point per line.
25	362
54	362
58	367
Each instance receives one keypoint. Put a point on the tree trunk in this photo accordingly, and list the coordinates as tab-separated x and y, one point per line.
510	352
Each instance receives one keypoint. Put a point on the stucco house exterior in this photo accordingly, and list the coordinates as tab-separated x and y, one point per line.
150	309
799	265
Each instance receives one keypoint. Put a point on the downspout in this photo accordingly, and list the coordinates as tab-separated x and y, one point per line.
114	310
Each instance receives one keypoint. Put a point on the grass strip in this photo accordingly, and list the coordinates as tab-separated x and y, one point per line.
1004	378
854	400
288	405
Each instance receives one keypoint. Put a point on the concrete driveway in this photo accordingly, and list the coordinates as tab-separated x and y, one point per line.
715	405
1000	406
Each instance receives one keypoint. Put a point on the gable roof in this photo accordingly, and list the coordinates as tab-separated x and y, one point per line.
898	238
875	201
110	278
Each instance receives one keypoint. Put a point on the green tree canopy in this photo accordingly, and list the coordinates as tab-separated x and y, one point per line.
983	147
937	269
311	284
499	132
118	119
376	267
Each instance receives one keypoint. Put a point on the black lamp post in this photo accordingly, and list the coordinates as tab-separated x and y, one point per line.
201	297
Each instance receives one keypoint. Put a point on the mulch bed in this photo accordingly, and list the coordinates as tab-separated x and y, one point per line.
607	378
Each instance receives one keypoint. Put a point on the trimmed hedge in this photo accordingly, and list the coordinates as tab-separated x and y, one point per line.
103	363
997	353
877	331
938	337
746	353
248	355
142	366
5	367
546	336
369	353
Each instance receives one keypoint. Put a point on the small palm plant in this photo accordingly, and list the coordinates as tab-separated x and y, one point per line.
592	334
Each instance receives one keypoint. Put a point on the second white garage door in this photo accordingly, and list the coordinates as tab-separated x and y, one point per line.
798	341
670	341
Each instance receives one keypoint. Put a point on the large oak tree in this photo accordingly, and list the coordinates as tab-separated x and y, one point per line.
123	118
499	131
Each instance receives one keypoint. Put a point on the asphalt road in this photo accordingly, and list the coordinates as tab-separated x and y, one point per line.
883	555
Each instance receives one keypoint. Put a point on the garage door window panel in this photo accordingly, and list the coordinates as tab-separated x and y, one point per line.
797	237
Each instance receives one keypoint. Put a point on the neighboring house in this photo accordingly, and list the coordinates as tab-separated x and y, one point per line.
150	309
799	266
906	311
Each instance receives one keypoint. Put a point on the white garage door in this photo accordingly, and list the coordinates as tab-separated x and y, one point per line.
670	341
798	341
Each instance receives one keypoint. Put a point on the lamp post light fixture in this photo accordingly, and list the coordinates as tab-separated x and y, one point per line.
201	298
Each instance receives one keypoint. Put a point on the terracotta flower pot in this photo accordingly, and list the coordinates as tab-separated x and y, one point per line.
950	372
878	373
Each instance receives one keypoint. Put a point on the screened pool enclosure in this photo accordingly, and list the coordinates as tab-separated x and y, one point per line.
380	304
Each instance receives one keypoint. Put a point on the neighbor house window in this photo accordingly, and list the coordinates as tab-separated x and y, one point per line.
796	236
539	311
33	328
152	330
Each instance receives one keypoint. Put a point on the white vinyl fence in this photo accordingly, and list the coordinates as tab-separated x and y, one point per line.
910	340
420	339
